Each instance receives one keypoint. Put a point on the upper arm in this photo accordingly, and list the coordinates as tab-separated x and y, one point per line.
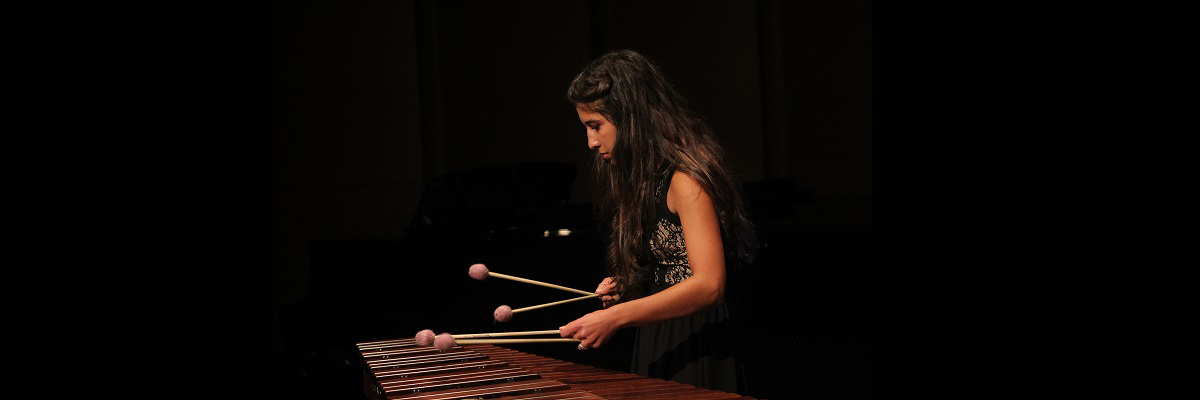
701	230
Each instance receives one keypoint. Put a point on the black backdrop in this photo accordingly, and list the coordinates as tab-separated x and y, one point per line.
370	100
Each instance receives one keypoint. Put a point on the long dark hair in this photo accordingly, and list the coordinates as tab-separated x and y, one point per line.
655	130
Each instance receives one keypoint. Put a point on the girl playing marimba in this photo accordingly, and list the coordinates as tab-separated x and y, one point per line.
676	224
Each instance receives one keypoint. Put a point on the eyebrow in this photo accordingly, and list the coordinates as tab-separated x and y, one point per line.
591	121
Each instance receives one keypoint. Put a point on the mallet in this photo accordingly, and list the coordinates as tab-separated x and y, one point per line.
505	313
426	337
446	341
480	272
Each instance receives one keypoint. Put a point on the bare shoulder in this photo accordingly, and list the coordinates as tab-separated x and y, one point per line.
684	191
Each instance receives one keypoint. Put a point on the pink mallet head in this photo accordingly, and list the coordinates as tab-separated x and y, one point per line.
425	338
444	342
479	272
502	314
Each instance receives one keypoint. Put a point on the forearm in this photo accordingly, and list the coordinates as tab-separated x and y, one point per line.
684	298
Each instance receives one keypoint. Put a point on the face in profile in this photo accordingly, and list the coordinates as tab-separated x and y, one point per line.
601	134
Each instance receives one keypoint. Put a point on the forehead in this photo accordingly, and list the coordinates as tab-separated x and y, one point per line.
586	115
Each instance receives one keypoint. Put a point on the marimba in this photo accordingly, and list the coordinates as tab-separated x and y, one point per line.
399	369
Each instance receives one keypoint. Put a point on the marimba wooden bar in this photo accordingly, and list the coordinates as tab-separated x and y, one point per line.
400	370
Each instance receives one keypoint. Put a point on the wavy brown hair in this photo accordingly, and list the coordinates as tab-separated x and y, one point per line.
655	131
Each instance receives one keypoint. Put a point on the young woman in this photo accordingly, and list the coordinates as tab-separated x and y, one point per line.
676	225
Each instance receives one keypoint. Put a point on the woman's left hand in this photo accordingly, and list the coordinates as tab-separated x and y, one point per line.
594	329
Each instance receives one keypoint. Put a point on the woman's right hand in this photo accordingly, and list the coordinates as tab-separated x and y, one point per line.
608	292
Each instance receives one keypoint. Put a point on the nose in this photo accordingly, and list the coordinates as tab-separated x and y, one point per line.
593	143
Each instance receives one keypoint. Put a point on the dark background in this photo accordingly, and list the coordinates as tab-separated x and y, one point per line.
373	100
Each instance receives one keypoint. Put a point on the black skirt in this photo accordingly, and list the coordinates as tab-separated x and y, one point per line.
700	350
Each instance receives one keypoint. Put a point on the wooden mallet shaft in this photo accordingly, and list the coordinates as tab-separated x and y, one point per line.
502	334
593	295
539	283
502	341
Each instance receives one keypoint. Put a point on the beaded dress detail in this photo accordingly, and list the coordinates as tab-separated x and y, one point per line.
667	244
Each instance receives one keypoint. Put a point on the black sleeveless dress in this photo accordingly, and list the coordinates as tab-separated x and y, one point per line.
700	349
